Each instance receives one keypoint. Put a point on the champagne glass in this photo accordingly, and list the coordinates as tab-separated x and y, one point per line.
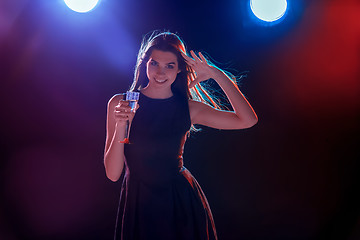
132	98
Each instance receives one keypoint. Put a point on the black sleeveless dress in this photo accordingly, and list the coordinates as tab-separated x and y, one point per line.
160	199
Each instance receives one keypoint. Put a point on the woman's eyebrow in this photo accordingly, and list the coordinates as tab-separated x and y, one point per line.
174	63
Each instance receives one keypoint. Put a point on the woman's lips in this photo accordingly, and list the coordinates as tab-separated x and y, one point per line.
160	81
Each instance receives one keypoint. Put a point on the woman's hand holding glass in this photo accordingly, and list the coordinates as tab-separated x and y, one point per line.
123	113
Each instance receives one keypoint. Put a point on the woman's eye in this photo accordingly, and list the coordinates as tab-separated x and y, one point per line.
153	63
170	66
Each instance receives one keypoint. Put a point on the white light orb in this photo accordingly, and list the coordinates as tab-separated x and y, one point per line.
81	6
268	10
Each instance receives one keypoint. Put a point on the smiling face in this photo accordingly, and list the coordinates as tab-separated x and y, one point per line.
162	69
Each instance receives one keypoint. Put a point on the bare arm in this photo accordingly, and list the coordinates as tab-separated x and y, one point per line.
243	115
114	157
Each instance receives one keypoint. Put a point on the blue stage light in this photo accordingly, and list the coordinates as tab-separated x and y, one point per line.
81	6
268	10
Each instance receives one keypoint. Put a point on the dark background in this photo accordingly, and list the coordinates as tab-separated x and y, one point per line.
294	175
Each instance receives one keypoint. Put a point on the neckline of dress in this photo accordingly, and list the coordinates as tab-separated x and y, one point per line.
158	99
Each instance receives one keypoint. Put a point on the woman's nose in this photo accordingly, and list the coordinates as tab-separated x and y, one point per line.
160	70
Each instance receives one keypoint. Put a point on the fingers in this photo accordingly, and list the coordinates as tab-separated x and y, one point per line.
199	65
122	115
123	102
192	61
187	58
196	58
202	57
121	108
123	111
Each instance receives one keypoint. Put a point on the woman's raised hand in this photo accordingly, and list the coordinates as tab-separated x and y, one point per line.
202	68
123	113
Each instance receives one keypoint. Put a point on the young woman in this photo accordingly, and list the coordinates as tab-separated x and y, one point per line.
160	199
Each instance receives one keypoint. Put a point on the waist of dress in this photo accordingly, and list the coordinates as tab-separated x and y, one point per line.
152	178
